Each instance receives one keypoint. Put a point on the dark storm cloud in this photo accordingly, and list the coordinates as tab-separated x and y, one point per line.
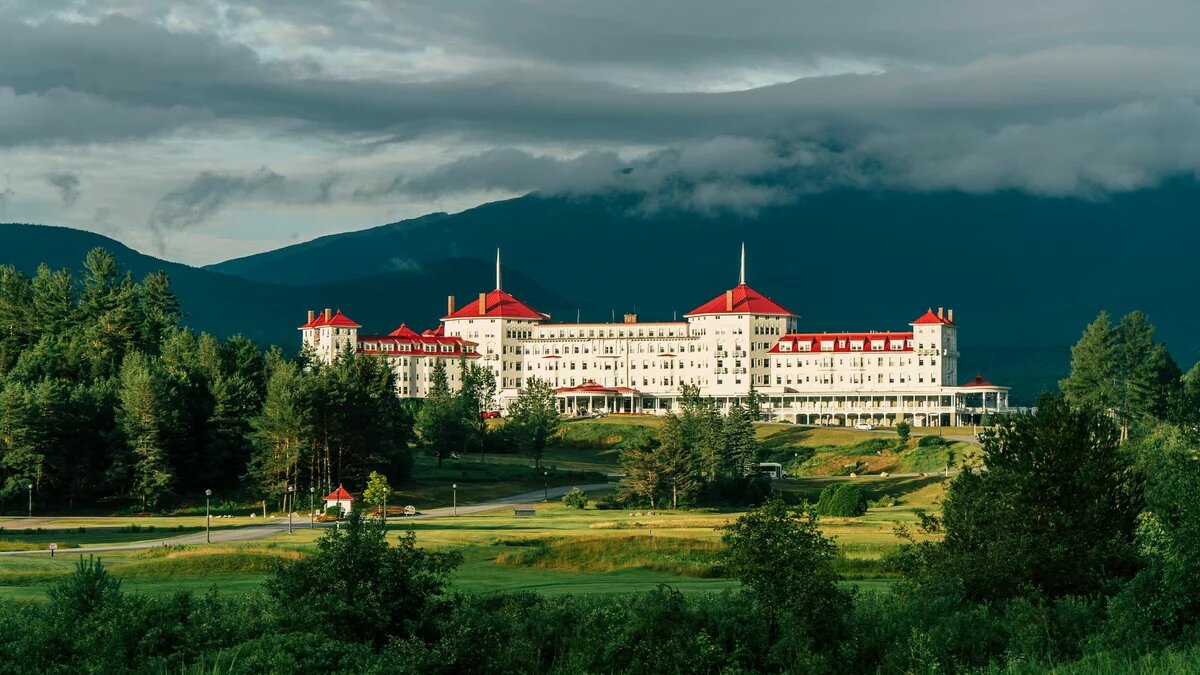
67	184
1059	97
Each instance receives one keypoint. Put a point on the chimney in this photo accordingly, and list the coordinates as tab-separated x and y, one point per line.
482	303
449	305
941	313
631	318
951	316
311	315
728	301
328	314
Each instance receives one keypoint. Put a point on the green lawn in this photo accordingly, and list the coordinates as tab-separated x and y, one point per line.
498	476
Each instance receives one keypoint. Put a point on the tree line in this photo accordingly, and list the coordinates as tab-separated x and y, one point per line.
106	401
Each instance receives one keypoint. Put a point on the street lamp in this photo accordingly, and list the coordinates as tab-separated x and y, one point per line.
546	485
455	488
312	515
31	500
290	502
207	517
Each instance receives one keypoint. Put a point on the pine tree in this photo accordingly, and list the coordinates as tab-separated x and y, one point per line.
677	461
1136	371
145	416
753	404
1093	377
279	431
440	424
159	311
643	474
53	301
533	417
741	447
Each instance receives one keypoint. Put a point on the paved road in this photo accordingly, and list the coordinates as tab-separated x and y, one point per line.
255	532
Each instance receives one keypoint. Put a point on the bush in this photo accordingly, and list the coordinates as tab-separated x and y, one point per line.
844	500
575	499
903	430
932	442
611	501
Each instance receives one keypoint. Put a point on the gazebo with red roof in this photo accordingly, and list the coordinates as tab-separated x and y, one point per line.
340	498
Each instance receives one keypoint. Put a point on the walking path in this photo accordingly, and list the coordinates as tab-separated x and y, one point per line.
255	532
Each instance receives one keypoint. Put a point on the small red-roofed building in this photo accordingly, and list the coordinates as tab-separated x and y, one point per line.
340	498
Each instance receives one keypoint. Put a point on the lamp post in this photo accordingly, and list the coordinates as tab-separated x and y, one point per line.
455	502
290	503
207	517
312	516
31	500
546	486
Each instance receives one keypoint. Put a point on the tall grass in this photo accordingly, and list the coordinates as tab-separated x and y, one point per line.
674	555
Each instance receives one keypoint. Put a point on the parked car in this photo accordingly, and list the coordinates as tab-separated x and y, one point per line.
864	426
490	414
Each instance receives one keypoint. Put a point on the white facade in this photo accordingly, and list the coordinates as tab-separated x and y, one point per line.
737	340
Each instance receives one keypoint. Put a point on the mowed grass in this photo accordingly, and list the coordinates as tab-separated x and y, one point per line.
40	538
480	482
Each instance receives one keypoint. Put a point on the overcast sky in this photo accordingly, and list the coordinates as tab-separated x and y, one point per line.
200	131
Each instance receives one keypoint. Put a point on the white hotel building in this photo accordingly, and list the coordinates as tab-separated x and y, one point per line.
738	339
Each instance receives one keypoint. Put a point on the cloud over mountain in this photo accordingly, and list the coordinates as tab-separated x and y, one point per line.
708	106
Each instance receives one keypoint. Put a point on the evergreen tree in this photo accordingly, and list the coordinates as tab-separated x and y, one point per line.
16	324
753	404
677	461
478	394
54	310
146	416
533	417
377	492
159	310
440	425
279	432
1136	371
741	446
643	473
1093	377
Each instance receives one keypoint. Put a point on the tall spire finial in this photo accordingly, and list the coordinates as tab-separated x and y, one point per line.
497	269
742	276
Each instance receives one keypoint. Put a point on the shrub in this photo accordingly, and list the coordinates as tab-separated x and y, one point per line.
575	499
844	500
903	430
611	501
932	442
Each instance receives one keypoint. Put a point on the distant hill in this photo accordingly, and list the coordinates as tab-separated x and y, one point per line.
223	304
1024	273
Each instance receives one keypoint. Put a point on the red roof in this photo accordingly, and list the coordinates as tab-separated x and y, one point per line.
978	382
930	317
590	387
745	300
342	321
498	303
339	494
842	342
372	344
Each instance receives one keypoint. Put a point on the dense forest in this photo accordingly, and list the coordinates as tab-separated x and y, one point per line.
105	401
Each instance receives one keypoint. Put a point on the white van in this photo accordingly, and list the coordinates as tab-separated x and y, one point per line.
772	470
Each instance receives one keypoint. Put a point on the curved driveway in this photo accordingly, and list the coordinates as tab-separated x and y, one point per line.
254	532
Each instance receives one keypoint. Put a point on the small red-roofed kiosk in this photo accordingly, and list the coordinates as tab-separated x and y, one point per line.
340	498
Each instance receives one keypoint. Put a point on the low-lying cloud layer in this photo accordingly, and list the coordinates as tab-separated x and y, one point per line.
390	108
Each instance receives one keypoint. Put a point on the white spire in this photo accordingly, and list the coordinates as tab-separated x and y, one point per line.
497	269
742	276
